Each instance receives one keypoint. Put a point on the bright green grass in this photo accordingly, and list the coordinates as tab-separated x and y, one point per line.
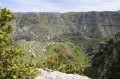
76	52
79	55
50	49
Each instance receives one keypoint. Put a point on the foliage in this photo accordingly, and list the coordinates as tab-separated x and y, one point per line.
106	63
12	66
63	62
70	49
78	54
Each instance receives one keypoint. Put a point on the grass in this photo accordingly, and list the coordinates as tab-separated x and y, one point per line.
71	45
72	48
50	49
79	55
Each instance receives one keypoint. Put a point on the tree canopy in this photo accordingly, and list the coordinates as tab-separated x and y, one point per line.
12	65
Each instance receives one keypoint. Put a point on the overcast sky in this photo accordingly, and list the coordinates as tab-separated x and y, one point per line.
60	5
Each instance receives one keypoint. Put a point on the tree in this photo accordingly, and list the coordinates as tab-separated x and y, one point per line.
61	62
12	65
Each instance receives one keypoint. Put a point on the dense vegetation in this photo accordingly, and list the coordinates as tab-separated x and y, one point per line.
70	48
63	62
12	64
106	63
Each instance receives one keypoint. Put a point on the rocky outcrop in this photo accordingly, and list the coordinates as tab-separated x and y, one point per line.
49	74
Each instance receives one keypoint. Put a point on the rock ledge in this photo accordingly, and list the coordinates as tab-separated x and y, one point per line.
50	74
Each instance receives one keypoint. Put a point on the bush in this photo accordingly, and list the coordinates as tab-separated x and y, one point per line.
12	66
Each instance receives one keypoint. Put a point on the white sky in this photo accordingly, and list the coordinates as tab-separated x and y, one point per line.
60	5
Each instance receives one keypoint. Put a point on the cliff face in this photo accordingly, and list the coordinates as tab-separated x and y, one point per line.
48	25
42	26
100	25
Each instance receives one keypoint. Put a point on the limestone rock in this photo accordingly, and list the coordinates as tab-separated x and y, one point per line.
49	74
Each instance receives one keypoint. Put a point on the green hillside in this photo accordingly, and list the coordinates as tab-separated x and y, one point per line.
73	50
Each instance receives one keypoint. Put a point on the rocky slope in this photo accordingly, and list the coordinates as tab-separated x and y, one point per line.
49	74
48	25
89	27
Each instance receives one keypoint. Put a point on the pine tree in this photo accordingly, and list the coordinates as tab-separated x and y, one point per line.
12	66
